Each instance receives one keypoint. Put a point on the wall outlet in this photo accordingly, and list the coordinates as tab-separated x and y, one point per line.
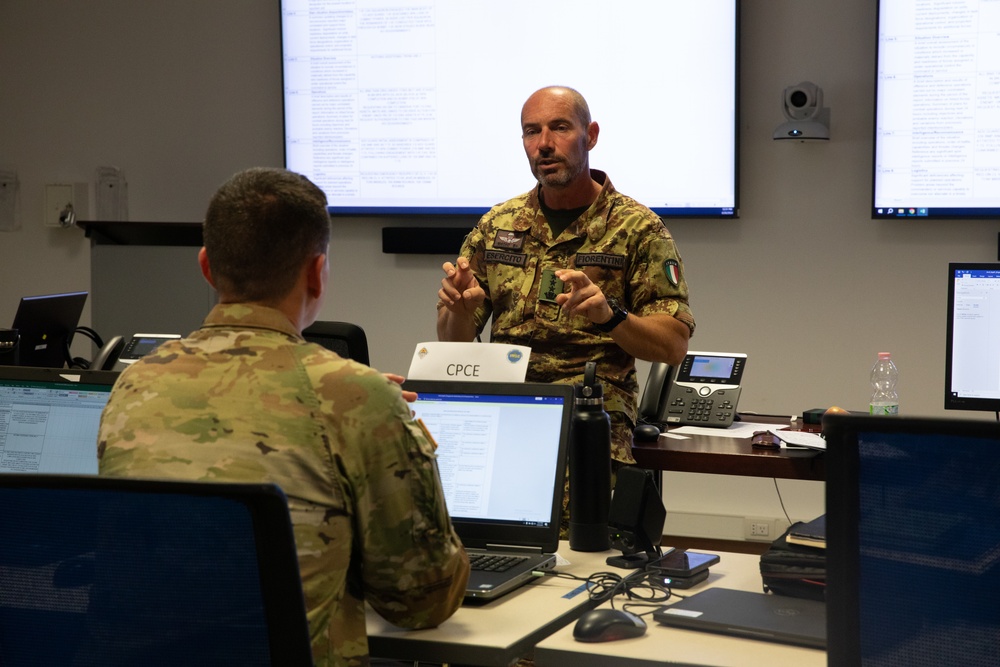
759	529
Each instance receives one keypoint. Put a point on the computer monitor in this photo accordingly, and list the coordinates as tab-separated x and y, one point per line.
934	122
382	100
972	357
45	325
913	541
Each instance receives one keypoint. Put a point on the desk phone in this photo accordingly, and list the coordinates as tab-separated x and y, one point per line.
142	344
703	391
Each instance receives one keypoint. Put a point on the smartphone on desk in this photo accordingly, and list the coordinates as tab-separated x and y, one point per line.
684	569
685	564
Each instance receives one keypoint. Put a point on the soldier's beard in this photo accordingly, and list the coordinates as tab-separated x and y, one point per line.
561	177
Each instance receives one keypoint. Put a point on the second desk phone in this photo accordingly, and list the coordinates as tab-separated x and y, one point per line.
703	391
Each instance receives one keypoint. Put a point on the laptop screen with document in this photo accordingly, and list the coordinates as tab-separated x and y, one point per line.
501	455
49	419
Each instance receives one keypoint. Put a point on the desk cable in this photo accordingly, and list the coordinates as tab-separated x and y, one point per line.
781	501
644	587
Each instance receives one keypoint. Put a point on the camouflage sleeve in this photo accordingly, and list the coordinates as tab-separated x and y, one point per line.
657	283
414	567
474	249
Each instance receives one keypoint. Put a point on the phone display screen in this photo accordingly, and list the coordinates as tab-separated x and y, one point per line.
711	369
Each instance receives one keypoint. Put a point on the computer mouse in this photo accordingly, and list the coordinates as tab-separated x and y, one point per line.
606	625
646	432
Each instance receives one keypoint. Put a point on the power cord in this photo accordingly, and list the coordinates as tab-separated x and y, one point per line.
781	501
642	588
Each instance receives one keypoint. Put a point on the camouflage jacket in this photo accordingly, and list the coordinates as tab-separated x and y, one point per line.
621	245
245	399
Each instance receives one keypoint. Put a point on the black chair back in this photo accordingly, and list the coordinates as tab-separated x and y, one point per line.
109	571
346	339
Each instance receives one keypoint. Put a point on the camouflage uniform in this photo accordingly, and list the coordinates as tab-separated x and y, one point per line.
621	245
243	399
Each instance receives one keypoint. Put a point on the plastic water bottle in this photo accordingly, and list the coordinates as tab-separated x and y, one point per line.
885	399
589	467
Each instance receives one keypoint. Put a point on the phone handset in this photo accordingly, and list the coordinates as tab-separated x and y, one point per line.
652	406
108	355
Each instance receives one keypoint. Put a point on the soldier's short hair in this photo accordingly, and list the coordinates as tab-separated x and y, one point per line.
262	225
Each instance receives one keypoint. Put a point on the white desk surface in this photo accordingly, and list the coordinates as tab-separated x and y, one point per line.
500	631
669	646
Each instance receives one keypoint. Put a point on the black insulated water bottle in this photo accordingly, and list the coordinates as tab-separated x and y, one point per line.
589	467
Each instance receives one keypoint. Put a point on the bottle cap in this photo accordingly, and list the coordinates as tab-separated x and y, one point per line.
883	355
590	388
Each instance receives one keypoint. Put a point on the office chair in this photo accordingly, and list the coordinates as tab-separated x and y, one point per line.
110	571
346	339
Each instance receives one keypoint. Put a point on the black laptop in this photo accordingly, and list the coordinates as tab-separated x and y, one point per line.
502	451
45	325
49	418
777	618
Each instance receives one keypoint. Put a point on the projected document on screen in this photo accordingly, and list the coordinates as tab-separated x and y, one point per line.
937	125
414	105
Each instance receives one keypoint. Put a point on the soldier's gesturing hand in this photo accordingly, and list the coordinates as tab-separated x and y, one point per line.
460	291
584	297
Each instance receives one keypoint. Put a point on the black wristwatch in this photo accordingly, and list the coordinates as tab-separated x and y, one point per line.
618	315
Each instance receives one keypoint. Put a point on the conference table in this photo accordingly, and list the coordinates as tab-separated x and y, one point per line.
539	618
662	645
729	451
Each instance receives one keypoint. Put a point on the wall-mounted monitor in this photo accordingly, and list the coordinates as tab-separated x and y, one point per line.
972	357
413	107
937	110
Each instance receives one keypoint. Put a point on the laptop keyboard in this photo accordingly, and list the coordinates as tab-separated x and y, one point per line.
494	562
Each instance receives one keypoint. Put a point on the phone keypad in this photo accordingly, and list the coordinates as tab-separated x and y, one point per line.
691	408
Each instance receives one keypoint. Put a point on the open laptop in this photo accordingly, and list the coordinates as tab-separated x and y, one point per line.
502	451
49	419
776	618
45	326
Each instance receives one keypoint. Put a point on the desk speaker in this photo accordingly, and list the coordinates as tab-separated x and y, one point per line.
635	522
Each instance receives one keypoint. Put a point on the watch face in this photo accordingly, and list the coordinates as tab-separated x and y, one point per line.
618	315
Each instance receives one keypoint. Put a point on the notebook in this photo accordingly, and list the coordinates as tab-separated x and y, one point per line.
776	618
502	451
49	419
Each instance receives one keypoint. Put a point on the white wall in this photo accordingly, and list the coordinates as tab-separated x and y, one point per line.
181	94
